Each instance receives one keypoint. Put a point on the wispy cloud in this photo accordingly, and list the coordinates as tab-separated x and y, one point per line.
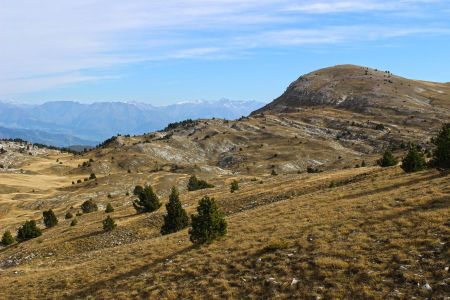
45	44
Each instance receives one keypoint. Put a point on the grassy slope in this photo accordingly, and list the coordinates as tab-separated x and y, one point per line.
379	233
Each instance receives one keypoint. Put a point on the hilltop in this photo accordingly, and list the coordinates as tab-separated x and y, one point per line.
314	215
365	90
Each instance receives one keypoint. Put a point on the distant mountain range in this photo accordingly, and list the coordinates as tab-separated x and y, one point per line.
66	123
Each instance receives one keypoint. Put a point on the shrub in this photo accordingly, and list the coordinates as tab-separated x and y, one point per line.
312	170
363	164
234	186
414	160
89	206
109	224
92	176
148	201
79	181
28	231
176	217
197	184
74	222
7	238
275	245
50	219
273	173
387	160
209	224
68	215
109	208
441	155
137	190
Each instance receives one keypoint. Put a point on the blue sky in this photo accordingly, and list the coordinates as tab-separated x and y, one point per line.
163	52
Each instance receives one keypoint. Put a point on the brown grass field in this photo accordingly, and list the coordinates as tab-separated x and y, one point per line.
379	233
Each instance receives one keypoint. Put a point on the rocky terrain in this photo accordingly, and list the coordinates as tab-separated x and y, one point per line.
351	230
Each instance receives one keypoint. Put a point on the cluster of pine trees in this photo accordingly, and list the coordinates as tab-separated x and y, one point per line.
415	158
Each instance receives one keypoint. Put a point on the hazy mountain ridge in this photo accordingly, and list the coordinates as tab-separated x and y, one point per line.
98	121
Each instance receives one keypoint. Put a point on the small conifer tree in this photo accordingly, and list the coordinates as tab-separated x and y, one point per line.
209	224
387	160
148	201
137	190
28	231
109	224
92	176
109	208
50	219
74	222
89	206
441	155
234	186
176	217
414	161
197	184
7	238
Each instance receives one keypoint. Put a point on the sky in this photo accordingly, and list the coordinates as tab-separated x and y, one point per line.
163	52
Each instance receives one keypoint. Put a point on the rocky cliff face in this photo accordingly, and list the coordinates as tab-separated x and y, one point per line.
362	89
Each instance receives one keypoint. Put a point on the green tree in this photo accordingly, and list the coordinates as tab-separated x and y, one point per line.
109	208
176	217
137	190
148	201
197	184
109	224
208	224
414	161
7	238
50	218
28	231
441	155
234	186
89	206
387	160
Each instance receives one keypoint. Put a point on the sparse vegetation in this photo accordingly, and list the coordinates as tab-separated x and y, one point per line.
387	160
148	201
109	208
89	206
176	217
29	230
414	161
50	218
209	224
195	184
234	186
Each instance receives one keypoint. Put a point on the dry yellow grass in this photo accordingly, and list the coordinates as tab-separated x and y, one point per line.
379	234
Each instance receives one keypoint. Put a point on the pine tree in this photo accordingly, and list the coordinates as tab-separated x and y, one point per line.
137	190
109	208
50	219
89	206
441	155
414	161
197	184
109	224
234	186
29	230
176	218
209	224
148	201
7	238
387	160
